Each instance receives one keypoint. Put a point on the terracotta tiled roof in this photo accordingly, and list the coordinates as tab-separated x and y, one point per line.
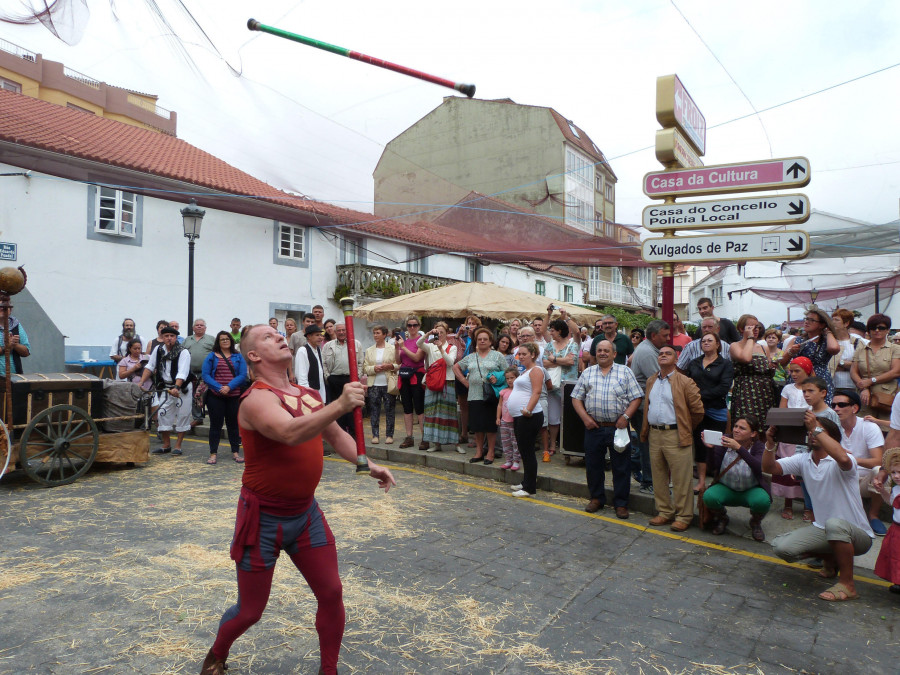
554	269
34	123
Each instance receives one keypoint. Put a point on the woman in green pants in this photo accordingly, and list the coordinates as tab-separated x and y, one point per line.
737	467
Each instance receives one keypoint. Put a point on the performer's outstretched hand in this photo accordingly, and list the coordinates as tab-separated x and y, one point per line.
384	476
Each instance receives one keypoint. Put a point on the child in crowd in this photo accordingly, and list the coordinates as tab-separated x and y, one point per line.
815	389
888	564
789	487
511	454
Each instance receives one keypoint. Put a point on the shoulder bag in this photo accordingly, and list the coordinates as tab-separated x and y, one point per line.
880	401
487	389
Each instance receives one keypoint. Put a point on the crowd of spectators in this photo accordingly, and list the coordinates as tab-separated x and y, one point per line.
683	415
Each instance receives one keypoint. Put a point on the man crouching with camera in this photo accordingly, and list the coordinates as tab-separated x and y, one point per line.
841	529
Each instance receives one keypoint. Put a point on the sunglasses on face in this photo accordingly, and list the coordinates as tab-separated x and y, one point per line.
879	328
841	404
412	325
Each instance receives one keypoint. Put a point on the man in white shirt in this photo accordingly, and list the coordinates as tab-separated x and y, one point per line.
335	362
308	361
841	529
170	363
863	440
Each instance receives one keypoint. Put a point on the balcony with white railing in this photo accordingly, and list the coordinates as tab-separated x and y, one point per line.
81	77
149	106
607	292
16	50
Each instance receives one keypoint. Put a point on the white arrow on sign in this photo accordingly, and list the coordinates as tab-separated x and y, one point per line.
767	174
719	213
782	245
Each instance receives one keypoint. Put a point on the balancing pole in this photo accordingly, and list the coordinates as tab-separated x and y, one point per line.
467	89
362	464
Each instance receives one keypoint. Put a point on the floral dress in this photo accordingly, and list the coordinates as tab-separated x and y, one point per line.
817	352
753	392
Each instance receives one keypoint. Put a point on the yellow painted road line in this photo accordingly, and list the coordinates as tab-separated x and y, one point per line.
614	521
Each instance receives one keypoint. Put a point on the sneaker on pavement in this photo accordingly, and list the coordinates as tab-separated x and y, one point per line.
515	487
515	466
877	527
522	493
646	489
460	449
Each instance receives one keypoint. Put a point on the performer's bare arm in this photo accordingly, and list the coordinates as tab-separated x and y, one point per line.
262	412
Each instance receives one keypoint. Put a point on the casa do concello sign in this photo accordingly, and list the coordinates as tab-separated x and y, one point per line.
716	214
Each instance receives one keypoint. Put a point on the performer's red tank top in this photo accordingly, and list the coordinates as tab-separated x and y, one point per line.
273	469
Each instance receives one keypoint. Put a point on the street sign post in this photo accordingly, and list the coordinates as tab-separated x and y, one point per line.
732	247
721	213
675	107
770	174
671	146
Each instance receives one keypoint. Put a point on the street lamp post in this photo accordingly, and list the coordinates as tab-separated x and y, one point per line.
192	218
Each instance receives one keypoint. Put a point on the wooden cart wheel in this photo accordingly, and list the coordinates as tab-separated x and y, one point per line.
59	445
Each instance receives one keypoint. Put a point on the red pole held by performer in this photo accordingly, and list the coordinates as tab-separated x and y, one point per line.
467	89
362	463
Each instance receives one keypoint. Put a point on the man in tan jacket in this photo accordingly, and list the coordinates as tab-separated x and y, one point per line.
672	408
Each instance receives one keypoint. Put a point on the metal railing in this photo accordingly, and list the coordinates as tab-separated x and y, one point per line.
380	282
81	77
150	106
620	294
16	50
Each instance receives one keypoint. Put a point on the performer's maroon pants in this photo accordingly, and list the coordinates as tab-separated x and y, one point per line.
309	542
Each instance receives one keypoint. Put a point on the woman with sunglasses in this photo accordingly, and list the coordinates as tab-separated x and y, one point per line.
875	368
411	362
819	346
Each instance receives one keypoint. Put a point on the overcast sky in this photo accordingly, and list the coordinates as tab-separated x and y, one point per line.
316	123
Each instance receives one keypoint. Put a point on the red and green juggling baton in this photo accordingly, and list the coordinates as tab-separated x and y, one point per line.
362	463
467	89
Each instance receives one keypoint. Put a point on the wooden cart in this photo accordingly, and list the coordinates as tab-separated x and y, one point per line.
54	436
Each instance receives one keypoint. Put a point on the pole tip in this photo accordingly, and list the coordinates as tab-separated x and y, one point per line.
467	89
362	464
346	304
252	24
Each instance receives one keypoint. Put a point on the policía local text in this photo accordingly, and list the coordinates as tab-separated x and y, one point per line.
717	213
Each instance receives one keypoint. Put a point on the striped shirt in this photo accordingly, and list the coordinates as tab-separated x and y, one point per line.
606	397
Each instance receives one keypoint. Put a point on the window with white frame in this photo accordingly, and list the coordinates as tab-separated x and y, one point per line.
473	270
9	85
291	241
717	296
416	261
616	275
610	193
115	212
350	251
579	189
540	288
645	277
568	294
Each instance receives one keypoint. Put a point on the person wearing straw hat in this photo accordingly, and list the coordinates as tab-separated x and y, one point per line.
283	427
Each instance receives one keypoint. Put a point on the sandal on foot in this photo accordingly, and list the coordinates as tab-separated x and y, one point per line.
826	573
212	460
237	458
839	593
808	516
787	514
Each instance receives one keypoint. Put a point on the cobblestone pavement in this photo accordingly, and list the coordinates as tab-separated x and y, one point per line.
127	571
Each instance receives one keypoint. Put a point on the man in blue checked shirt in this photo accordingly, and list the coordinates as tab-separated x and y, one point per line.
605	398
